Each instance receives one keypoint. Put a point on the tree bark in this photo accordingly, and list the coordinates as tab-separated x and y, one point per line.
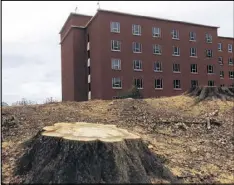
203	93
77	158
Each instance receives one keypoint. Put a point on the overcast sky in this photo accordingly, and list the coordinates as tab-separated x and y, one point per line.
30	32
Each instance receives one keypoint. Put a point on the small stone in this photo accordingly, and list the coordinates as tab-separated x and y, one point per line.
150	146
192	149
111	103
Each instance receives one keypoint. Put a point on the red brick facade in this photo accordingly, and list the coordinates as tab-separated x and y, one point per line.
90	69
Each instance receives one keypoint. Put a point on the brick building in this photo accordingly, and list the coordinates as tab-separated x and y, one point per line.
106	54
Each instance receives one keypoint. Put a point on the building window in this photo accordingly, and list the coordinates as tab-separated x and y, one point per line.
208	38
89	70
193	68
157	49
209	53
137	65
192	36
136	47
220	61
194	83
211	83
230	61
219	46
116	83
138	83
156	32
116	64
176	68
176	51
158	66
136	29
175	34
176	84
115	27
222	85
230	48
231	74
221	74
115	45
210	69
158	84
193	52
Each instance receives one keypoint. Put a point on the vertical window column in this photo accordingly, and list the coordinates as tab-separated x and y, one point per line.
89	68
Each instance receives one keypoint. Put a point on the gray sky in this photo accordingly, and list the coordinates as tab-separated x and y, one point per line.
31	51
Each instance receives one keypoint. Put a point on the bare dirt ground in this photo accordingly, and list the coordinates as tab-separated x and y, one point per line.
173	127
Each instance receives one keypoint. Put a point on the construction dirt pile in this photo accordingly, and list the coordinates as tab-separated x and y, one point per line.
175	130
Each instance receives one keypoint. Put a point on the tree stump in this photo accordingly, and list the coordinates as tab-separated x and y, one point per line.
210	93
89	153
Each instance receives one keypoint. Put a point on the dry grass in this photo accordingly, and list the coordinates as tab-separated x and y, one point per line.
186	105
196	154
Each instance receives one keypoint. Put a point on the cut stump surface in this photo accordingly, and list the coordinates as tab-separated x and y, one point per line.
82	131
89	153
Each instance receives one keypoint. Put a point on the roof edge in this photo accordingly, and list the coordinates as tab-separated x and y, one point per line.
68	31
73	14
226	37
156	18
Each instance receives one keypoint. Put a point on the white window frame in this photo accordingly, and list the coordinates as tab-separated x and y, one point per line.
115	27
193	52
193	68
221	74
176	84
208	38
137	47
115	64
136	29
194	81
212	83
137	65
231	74
230	48
219	46
192	36
115	80
220	60
210	69
118	43
176	52
141	83
157	49
156	32
160	85
174	67
156	68
175	34
230	61
209	53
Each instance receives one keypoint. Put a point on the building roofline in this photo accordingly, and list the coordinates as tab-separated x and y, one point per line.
222	37
156	18
69	17
68	31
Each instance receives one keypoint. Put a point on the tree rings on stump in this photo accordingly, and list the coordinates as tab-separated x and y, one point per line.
88	132
89	153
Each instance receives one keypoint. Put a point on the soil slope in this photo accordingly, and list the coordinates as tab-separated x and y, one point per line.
174	129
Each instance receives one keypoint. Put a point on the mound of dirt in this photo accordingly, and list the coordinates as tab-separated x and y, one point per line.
78	153
211	93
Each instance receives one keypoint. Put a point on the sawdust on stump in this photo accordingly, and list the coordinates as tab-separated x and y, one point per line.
211	93
89	153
